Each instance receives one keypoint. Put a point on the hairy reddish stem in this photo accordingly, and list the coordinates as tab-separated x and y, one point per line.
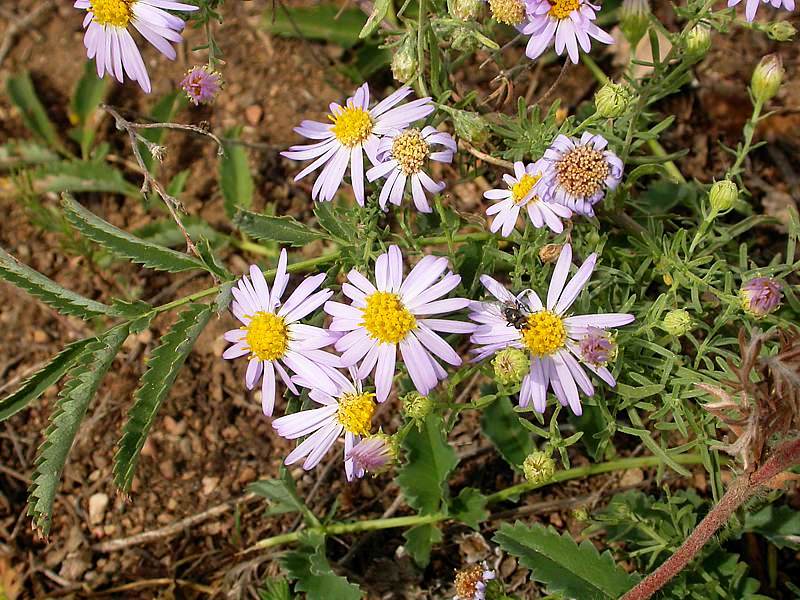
785	456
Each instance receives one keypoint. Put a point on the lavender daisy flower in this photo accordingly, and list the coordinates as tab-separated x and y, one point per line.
569	22
520	194
201	85
579	171
109	42
760	296
403	155
395	313
751	7
355	128
470	582
273	336
347	410
560	346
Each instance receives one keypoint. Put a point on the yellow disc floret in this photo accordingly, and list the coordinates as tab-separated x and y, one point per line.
410	151
355	412
510	12
386	318
582	171
116	13
562	8
521	189
267	336
544	333
467	580
352	126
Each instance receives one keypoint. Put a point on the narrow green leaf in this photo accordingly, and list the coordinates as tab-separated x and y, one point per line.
469	507
81	176
48	291
430	460
576	571
124	244
162	368
282	499
22	93
210	262
326	22
379	12
84	378
420	540
501	425
89	92
23	153
234	175
275	588
333	221
312	573
284	230
35	385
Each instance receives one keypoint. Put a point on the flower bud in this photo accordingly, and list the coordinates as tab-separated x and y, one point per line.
510	366
723	195
761	296
464	40
549	253
509	12
463	10
374	454
469	125
417	406
767	77
678	322
538	467
634	20
782	31
612	100
698	41
201	85
404	62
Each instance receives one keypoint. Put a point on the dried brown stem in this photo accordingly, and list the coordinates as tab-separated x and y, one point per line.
486	157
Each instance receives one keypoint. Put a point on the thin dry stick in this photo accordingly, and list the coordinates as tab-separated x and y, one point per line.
486	157
16	25
543	98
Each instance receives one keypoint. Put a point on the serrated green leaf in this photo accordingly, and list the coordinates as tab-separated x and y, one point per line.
166	232
81	176
419	541
35	385
332	222
210	262
163	366
82	383
284	230
379	11
469	507
577	571
22	153
124	244
282	499
326	22
48	291
234	175
309	568
429	461
501	425
22	93
89	92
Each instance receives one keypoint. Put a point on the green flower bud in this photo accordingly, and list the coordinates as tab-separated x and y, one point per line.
782	31
469	125
723	195
464	40
463	10
538	467
634	20
767	77
612	100
510	366
509	12
404	62
678	322
698	41
417	406
580	514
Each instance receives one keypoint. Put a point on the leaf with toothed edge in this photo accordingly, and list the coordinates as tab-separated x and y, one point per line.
73	401
284	230
312	572
162	368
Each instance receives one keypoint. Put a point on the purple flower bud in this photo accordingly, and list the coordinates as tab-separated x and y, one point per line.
201	84
760	296
597	347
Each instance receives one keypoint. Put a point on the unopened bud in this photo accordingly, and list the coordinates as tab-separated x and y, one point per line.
469	125
374	454
634	20
538	467
761	296
782	31
767	77
404	62
464	40
698	41
417	406
549	253
464	10
678	322
509	12
723	195
612	100
510	366
201	85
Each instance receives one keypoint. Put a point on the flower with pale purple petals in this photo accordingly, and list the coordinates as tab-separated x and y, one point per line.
372	454
403	156
347	410
395	312
569	22
109	42
751	6
560	346
470	582
578	172
760	296
201	85
521	194
273	337
356	128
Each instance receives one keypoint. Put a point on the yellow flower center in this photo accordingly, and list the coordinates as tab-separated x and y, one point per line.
544	333
561	8
582	171
467	580
523	187
351	126
116	13
510	12
386	319
267	336
410	150
355	412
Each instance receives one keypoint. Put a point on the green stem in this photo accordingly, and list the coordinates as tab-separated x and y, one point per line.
459	237
421	23
658	150
590	64
749	131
